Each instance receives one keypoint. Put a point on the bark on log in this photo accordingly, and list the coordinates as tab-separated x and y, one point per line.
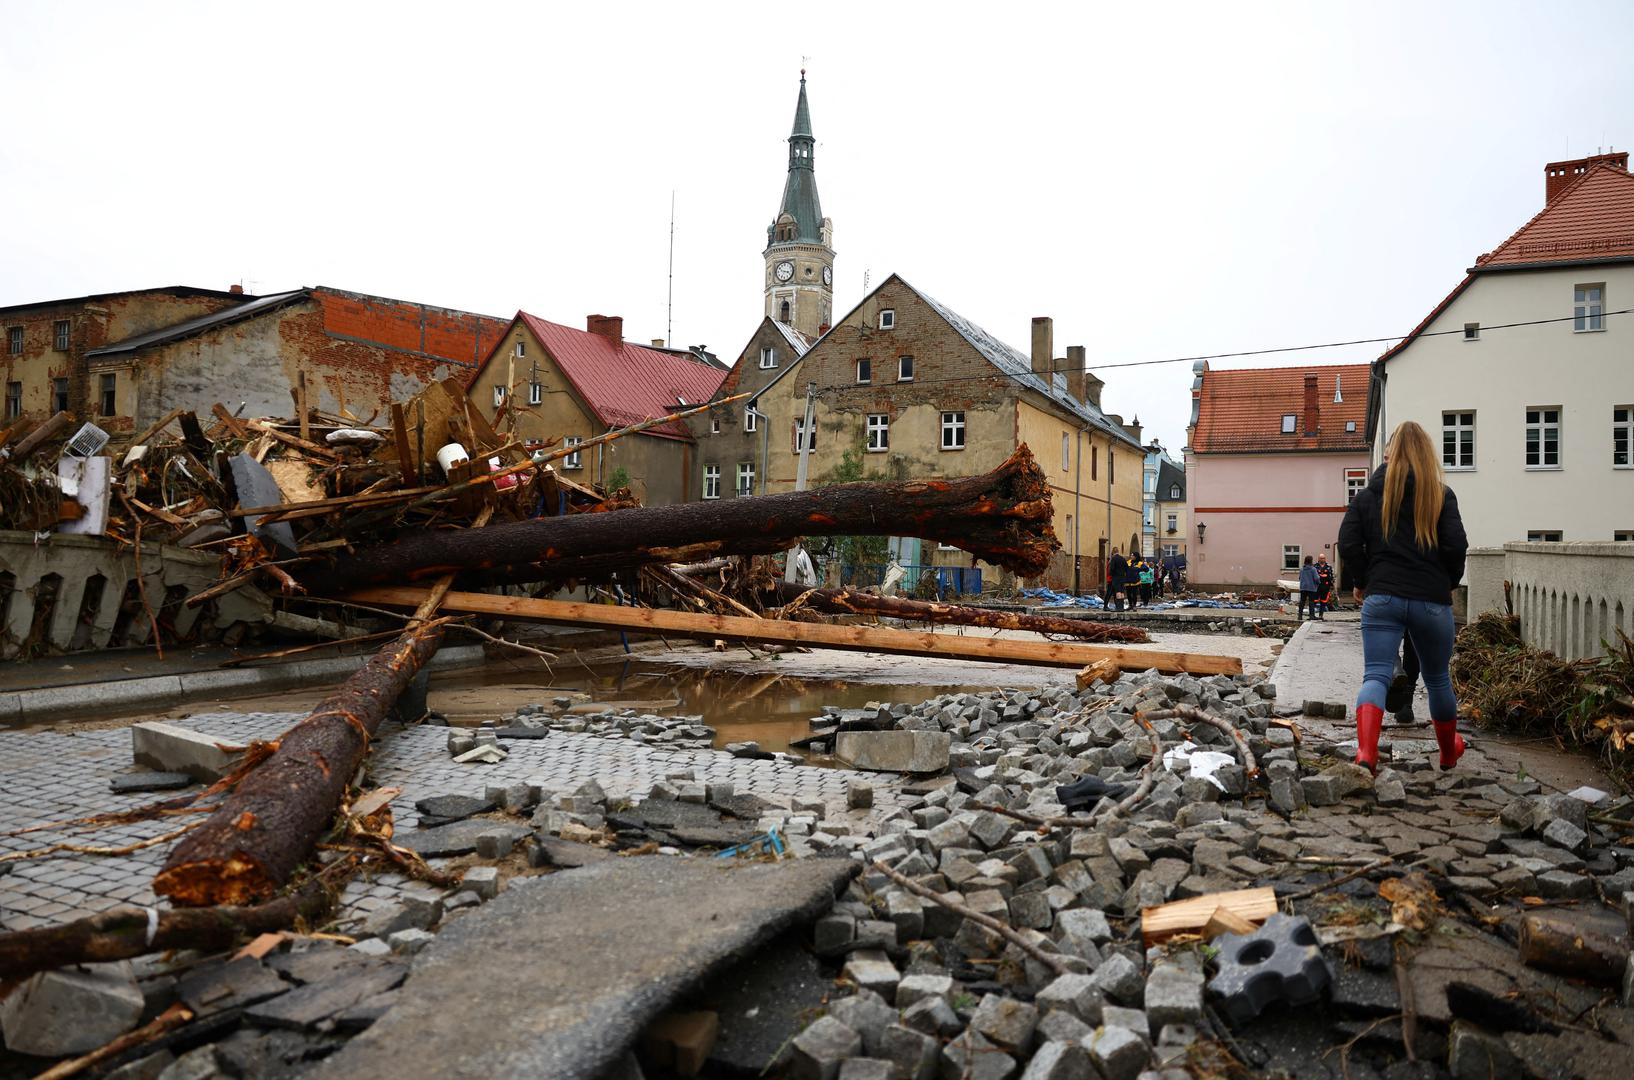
845	601
1002	517
124	932
1562	945
253	843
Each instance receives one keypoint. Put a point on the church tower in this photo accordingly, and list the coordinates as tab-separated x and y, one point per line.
799	242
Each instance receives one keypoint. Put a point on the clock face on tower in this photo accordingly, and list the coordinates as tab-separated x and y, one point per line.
828	275
785	270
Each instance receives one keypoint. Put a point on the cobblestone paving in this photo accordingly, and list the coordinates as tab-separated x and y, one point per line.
51	777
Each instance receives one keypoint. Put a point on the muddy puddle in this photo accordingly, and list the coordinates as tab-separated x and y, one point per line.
769	709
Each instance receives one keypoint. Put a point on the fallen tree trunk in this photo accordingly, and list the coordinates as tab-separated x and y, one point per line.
1002	517
254	841
126	932
1565	945
995	650
845	601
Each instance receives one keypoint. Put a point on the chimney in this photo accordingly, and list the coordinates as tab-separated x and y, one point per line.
658	343
236	290
1043	345
1560	175
1133	428
610	327
1075	372
1092	389
1313	405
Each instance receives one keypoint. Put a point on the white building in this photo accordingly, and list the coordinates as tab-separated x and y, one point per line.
1524	374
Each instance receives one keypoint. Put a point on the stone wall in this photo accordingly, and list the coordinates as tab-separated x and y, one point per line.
1570	597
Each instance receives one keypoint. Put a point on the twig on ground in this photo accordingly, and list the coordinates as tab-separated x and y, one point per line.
1053	963
1360	871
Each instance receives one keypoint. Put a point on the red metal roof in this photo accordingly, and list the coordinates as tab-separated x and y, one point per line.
1241	411
1591	219
626	383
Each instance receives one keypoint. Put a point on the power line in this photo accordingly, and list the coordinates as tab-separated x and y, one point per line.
1245	352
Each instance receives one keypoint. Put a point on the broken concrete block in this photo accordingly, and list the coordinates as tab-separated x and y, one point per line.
818	1051
1473	1054
1118	1053
859	795
972	1057
134	783
72	1010
874	971
1006	1022
168	748
409	942
913	1053
482	880
894	751
1058	1061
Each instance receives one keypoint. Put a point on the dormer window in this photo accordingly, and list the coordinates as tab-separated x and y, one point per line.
1289	423
1174	491
887	319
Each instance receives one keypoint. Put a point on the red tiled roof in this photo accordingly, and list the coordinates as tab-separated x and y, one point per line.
626	384
1591	219
1241	411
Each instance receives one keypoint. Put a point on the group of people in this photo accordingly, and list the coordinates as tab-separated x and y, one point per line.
1133	580
1315	587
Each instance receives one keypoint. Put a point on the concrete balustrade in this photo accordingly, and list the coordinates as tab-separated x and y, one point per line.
1570	597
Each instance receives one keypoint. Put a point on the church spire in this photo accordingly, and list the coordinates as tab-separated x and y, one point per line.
801	208
799	252
802	112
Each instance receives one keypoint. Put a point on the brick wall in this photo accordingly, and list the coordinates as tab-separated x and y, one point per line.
460	336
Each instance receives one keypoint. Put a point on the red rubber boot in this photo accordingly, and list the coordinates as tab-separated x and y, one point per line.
1451	743
1369	718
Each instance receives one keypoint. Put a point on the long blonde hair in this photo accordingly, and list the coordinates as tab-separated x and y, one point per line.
1410	451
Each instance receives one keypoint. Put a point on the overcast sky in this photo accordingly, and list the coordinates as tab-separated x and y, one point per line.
1163	181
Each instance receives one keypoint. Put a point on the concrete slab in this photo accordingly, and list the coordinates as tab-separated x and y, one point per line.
657	926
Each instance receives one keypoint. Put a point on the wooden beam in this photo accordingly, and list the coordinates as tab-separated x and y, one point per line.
1193	916
993	650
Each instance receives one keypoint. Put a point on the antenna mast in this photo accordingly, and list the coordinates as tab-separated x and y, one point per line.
669	307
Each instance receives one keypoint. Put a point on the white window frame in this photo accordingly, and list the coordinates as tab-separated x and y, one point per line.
799	428
1290	423
1355	484
1588	313
887	319
61	335
904	369
1544	536
1622	536
1170	551
712	481
536	393
1472	331
865	370
714	425
14	399
751	419
745	478
1174	491
521	347
1171	522
953	430
877	432
1066	452
1298	557
1622	428
1542	426
575	460
768	357
1462	423
14	340
499	396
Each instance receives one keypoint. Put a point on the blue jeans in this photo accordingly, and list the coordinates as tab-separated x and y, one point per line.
1385	619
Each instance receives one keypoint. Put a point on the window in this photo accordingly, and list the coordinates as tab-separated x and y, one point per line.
536	393
1543	536
1543	438
714	425
521	348
1171	551
14	338
865	371
746	478
1622	436
879	432
107	391
1150	482
1066	451
768	357
751	419
1111	466
59	335
1472	331
1289	420
1149	518
1355	483
799	430
59	394
1623	536
712	481
785	310
887	319
904	369
953	431
1350	426
1174	491
575	460
1588	307
1458	440
1094	460
1171	522
499	397
1291	555
14	400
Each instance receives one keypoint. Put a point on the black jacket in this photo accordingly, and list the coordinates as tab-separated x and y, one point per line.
1396	565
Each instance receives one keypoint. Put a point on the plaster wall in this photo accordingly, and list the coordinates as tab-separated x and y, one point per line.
1254	504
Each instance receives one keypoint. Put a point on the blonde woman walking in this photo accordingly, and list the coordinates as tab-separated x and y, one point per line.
1405	542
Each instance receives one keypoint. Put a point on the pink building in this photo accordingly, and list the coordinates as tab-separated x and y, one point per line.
1273	457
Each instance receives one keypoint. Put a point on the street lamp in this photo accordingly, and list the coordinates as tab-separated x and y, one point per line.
1201	528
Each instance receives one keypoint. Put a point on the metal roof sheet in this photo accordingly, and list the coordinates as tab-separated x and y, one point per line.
176	331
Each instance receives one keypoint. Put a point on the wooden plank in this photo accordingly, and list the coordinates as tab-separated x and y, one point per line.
291	440
156	427
995	650
231	422
300	406
405	454
1191	916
